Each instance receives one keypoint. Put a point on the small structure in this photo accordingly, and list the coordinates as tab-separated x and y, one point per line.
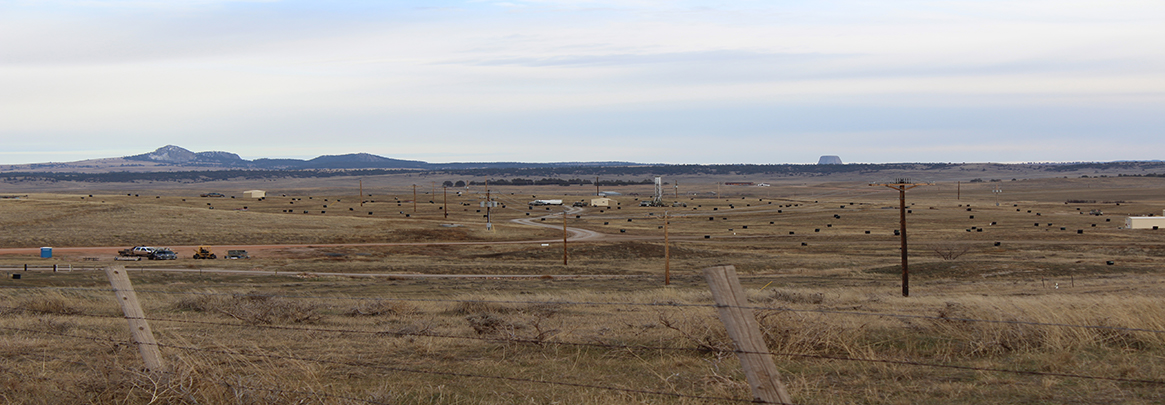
255	193
601	202
1144	222
546	202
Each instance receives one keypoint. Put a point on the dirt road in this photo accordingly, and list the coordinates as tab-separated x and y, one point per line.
109	252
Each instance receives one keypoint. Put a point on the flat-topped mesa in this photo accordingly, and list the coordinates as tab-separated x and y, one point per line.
829	160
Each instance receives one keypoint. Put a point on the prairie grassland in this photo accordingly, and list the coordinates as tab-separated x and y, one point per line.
338	340
992	287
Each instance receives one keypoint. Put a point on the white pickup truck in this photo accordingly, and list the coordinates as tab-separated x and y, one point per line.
145	251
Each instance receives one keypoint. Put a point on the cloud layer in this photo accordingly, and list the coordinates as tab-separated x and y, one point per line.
566	80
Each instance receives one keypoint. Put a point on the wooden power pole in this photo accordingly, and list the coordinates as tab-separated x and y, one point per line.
445	192
564	236
666	253
414	198
902	185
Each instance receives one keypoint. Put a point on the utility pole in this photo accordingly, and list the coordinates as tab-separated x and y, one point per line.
666	253
997	191
489	225
959	190
564	236
597	192
902	185
414	198
445	192
361	192
677	187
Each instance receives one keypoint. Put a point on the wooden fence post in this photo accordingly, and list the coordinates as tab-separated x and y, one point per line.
763	376
139	329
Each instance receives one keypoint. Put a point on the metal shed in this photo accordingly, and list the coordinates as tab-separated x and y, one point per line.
255	193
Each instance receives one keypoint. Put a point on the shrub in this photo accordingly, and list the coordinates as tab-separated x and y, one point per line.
379	307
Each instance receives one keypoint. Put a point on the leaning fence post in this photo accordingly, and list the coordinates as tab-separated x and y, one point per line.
763	376
139	329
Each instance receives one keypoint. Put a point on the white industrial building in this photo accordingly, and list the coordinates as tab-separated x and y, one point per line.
255	193
1145	222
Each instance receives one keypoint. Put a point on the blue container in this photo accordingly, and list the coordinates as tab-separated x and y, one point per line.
46	253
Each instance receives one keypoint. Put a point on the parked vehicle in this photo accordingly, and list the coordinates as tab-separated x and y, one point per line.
579	204
142	251
237	254
203	252
163	254
212	195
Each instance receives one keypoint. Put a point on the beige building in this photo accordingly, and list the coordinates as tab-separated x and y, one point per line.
255	193
601	202
1144	222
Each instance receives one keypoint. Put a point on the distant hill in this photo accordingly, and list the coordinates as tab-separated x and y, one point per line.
177	155
171	155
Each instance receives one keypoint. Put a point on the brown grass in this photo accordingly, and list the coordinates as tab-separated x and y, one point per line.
393	333
339	345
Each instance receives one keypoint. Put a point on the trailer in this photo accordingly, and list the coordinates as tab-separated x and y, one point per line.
545	202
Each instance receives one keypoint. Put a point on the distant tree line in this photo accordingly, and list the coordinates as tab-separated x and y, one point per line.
691	169
1142	175
1068	167
518	181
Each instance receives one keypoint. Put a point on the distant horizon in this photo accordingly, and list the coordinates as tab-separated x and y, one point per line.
590	161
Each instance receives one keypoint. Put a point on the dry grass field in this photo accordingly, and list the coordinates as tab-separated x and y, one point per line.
1010	303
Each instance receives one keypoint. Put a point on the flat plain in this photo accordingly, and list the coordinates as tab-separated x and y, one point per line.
1033	294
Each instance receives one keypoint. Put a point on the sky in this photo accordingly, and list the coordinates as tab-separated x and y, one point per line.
653	81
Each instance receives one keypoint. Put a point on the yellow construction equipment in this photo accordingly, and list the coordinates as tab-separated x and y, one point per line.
203	252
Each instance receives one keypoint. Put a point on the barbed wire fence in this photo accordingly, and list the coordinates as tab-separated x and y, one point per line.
510	340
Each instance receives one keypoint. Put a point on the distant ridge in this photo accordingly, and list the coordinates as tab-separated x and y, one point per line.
173	155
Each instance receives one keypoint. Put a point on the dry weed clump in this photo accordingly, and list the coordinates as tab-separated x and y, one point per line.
971	338
794	297
1045	324
703	330
382	308
251	308
949	251
50	303
470	307
531	323
792	332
